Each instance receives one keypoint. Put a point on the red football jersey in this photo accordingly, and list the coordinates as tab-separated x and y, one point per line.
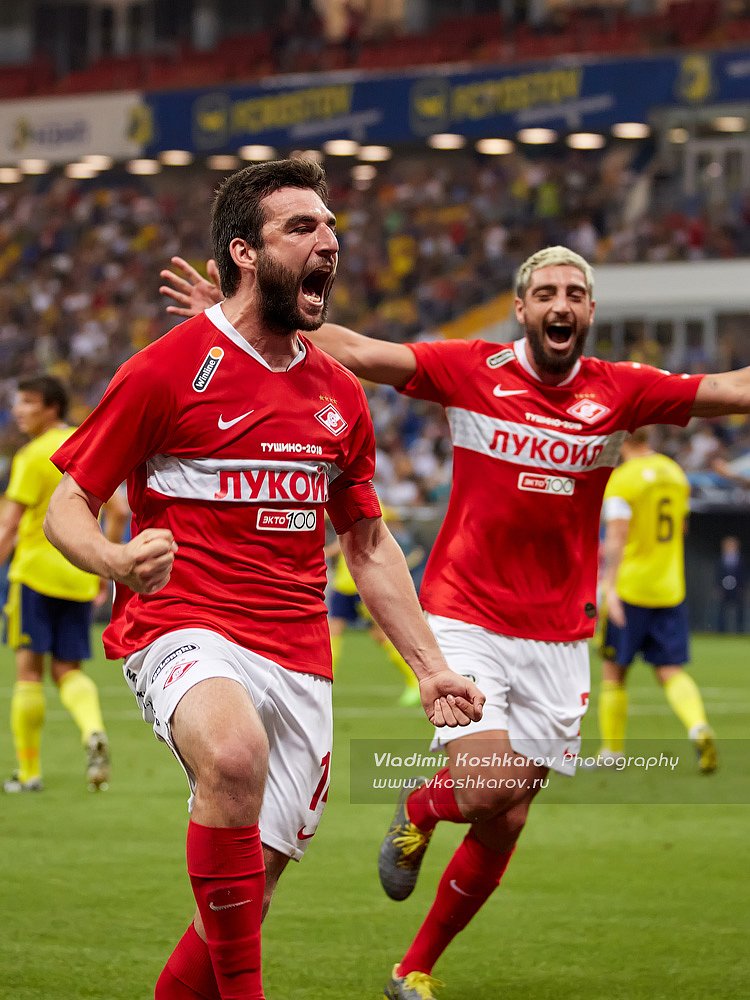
239	462
517	552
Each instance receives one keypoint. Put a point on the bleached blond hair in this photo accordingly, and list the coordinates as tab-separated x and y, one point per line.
548	257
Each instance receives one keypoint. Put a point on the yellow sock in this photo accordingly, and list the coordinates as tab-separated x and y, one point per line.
400	664
79	695
685	700
613	715
26	721
337	641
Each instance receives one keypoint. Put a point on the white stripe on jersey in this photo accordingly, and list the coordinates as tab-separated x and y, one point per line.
239	480
532	446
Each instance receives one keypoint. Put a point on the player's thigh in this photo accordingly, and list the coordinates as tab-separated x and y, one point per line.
668	639
343	608
161	676
622	643
485	658
549	697
71	629
28	620
219	734
297	716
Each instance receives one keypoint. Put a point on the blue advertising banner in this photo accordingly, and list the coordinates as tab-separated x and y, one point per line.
567	94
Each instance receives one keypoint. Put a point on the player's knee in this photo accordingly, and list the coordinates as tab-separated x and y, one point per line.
502	830
481	805
500	804
513	820
231	766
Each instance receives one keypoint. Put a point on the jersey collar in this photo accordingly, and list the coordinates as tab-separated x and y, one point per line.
216	315
522	356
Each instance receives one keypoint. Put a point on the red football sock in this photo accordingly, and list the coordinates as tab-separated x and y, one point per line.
226	870
188	974
472	875
434	801
169	987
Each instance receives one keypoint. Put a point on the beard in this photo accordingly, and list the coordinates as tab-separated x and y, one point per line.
549	363
278	290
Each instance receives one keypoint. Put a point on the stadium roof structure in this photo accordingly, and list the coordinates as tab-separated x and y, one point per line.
624	290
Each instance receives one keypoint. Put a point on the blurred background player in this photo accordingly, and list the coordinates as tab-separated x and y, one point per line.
345	607
49	601
646	505
730	582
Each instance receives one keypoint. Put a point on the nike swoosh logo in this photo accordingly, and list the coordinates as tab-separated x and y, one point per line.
228	906
497	391
224	425
458	888
304	836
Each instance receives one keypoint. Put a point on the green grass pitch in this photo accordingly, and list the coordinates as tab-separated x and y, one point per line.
642	900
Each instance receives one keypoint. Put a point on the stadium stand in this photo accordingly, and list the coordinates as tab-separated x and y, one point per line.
296	44
433	237
430	244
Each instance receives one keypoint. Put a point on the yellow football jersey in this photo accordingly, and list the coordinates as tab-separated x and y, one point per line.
36	563
652	571
342	578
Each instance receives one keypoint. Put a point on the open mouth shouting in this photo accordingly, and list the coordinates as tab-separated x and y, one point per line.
316	286
560	336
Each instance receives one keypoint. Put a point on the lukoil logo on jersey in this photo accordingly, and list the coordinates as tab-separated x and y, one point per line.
557	485
588	411
534	447
297	485
239	480
208	369
286	520
331	419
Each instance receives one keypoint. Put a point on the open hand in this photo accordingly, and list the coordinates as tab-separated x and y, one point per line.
190	290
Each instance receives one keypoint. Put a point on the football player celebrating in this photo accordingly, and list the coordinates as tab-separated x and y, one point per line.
235	433
510	585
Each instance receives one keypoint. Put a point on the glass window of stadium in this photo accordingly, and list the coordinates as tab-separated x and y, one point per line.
709	150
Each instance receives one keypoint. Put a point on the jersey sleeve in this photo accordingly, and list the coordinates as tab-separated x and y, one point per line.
352	495
128	426
439	369
24	486
655	396
616	508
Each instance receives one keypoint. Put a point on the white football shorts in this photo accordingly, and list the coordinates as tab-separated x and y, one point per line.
536	691
295	709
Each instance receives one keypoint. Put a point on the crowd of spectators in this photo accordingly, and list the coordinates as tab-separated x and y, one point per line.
434	235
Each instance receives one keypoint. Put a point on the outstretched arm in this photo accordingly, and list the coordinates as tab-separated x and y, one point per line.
375	360
379	570
722	394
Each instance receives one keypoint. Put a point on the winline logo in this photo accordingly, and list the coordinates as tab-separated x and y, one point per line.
208	369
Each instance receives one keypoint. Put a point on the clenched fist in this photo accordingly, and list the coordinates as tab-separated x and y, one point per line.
145	563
